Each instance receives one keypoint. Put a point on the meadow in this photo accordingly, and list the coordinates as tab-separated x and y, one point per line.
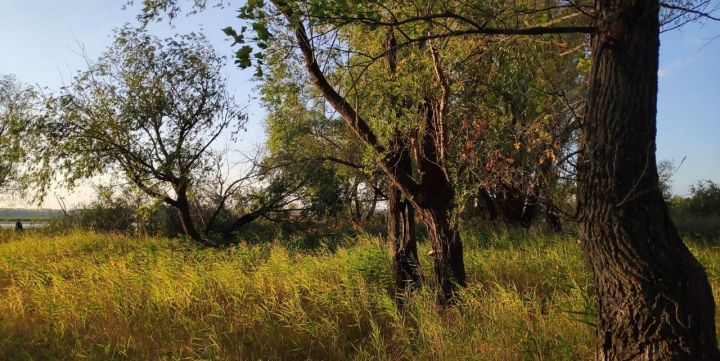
93	296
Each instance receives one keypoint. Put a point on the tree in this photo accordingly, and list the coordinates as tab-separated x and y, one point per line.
653	297
151	111
304	132
432	195
666	170
654	301
18	105
305	142
704	198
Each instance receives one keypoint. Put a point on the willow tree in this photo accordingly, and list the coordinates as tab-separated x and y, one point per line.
150	112
403	101
18	106
306	141
653	297
654	301
429	187
304	127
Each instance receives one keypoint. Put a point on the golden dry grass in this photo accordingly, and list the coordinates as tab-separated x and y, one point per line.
89	296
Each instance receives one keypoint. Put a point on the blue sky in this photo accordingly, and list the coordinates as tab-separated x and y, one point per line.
41	45
689	103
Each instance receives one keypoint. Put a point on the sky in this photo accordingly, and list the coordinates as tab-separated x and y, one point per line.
41	42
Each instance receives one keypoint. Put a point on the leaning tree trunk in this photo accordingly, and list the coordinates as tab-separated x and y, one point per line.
654	301
186	222
447	252
401	215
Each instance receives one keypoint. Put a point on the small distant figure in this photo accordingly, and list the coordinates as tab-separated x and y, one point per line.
18	226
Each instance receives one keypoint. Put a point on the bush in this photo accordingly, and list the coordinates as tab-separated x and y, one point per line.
704	199
698	216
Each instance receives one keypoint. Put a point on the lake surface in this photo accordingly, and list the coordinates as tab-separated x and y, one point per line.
25	225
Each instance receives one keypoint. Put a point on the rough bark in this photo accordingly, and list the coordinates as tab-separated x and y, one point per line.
401	235
435	203
447	251
654	301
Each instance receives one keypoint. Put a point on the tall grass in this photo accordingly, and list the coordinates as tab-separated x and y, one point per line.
108	297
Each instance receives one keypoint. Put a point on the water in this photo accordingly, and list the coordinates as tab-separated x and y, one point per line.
25	225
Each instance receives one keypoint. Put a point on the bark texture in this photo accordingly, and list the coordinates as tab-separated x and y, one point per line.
401	235
654	301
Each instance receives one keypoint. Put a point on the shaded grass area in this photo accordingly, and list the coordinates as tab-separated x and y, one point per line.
701	228
108	297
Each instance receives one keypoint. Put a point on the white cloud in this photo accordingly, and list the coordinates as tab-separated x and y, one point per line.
667	69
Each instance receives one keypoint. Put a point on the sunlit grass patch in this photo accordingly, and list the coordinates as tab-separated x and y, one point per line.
110	297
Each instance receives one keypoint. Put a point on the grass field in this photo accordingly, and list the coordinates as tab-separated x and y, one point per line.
88	296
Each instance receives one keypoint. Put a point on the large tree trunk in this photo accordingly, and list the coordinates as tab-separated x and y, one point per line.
654	301
401	225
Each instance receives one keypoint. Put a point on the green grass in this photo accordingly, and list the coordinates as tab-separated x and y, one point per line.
88	296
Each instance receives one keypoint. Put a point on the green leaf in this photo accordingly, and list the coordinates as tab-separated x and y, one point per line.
242	57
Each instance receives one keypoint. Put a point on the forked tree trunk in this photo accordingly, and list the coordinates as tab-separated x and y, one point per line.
433	196
401	235
401	226
435	204
654	301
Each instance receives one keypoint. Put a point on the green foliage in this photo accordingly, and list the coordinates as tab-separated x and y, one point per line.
147	109
698	215
666	169
511	122
305	143
704	198
18	107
